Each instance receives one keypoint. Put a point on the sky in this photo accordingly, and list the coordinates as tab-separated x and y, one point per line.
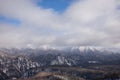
59	23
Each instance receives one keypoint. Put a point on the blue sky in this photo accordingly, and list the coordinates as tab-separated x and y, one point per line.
57	5
9	20
59	23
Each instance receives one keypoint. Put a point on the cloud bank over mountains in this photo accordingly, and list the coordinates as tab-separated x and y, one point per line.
83	23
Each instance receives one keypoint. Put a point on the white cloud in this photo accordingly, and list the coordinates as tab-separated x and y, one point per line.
85	22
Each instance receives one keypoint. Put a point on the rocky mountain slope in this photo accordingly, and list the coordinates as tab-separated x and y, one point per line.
14	66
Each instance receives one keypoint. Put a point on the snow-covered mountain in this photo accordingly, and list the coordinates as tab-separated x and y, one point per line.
67	56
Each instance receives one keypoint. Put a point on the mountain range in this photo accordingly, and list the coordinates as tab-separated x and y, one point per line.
17	63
